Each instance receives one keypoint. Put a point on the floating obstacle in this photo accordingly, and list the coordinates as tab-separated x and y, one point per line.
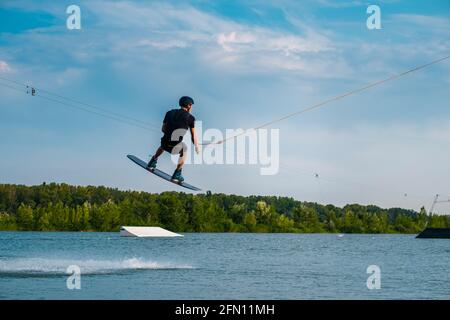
435	233
146	232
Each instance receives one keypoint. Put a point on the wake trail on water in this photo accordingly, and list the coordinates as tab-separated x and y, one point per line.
44	266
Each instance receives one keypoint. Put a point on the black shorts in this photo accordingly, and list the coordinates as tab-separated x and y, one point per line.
169	145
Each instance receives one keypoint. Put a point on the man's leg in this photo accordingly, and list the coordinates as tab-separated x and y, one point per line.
181	160
177	174
158	152
152	163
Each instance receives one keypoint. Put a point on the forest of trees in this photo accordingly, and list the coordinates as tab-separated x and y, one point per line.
61	207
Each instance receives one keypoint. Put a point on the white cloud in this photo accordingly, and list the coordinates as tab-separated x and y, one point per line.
263	40
238	47
435	23
218	41
340	4
4	67
260	50
231	42
163	45
69	76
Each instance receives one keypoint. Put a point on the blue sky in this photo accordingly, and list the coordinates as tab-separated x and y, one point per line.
245	63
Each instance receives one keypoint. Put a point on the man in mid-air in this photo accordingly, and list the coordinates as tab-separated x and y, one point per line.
175	124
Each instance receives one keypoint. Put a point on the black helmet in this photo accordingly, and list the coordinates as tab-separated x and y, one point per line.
185	101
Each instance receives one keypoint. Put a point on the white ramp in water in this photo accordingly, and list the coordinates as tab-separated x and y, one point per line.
146	232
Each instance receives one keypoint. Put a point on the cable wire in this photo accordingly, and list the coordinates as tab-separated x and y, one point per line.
335	98
78	105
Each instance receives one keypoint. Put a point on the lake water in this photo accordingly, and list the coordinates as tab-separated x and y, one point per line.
33	265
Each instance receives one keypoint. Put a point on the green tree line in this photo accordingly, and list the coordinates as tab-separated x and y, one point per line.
62	207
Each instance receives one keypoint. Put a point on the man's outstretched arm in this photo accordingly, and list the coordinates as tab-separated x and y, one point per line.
194	140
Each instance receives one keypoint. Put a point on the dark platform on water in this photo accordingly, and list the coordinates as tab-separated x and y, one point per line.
435	233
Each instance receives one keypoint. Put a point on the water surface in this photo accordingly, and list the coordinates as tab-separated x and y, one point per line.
222	266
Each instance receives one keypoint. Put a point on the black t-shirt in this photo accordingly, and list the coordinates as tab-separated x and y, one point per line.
177	119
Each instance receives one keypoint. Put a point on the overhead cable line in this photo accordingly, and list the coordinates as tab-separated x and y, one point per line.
340	181
324	103
335	98
72	103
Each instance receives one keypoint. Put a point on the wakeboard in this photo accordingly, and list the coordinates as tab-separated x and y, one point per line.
161	174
